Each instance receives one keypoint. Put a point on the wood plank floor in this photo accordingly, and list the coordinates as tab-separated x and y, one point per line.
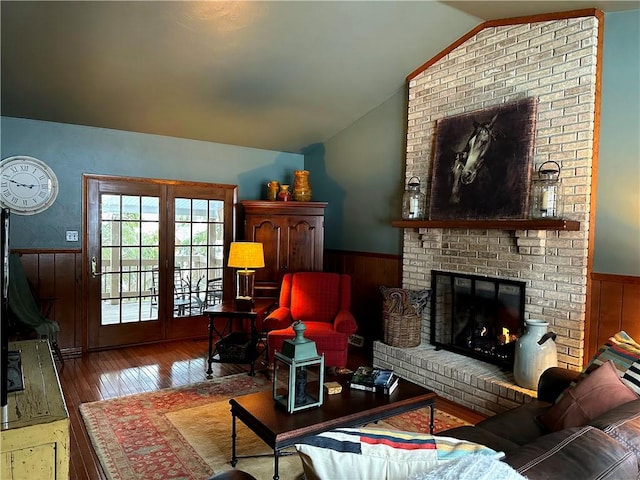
125	371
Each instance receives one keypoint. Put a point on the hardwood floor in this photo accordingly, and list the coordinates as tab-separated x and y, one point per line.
125	371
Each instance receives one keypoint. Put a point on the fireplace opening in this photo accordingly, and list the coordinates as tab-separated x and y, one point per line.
480	317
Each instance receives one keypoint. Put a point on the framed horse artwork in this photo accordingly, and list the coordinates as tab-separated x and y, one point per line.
482	163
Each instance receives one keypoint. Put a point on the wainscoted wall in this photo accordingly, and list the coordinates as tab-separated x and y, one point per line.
368	272
615	306
57	274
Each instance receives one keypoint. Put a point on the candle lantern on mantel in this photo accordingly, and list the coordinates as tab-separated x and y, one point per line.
546	201
299	357
413	201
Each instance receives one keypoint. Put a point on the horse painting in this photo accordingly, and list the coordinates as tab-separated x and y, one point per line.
471	159
482	163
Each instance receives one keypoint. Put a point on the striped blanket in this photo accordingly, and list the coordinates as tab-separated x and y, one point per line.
372	453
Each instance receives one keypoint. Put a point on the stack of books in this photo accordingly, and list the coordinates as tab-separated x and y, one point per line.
371	379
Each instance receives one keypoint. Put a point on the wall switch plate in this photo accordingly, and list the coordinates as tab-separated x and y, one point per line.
72	235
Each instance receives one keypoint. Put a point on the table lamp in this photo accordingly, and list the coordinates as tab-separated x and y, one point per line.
245	256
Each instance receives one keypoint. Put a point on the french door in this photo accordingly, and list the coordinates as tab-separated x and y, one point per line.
155	257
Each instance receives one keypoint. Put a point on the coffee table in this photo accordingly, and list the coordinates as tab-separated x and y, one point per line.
351	408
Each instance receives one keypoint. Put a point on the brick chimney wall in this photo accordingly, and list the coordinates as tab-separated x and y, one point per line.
555	61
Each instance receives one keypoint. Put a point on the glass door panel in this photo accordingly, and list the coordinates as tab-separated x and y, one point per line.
129	253
124	248
199	253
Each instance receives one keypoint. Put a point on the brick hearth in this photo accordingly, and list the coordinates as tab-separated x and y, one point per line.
475	384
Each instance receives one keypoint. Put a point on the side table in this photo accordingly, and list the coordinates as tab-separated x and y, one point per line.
227	311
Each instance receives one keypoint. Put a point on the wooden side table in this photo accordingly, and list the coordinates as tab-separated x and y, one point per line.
227	310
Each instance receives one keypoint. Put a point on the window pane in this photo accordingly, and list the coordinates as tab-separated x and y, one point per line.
150	208
110	207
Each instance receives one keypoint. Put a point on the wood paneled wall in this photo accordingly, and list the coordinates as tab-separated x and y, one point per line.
615	306
615	299
57	275
368	271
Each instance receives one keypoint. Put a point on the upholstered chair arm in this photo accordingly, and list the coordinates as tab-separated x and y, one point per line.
345	322
277	319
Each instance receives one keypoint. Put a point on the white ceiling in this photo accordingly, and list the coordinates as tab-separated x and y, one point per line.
273	75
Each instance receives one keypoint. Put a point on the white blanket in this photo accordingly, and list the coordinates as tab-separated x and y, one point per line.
471	467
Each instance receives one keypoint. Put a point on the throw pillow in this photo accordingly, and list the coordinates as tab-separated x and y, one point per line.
598	393
624	352
367	453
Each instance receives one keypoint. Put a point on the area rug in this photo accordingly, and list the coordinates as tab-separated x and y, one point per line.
185	433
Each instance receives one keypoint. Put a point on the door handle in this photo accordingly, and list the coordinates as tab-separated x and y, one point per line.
94	267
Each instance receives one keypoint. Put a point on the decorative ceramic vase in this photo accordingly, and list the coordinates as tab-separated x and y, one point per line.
284	195
301	186
273	187
535	352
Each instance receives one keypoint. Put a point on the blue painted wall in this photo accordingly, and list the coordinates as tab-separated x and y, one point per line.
360	172
363	165
73	150
617	233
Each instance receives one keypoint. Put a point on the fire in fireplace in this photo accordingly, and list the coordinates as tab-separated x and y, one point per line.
480	317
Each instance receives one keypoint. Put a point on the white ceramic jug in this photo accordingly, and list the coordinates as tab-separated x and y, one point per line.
535	352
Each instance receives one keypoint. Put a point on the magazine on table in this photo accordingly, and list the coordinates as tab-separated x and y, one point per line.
387	390
374	379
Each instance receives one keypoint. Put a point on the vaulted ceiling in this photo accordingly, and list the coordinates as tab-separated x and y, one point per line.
273	75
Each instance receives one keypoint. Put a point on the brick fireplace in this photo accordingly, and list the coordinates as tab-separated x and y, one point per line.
554	58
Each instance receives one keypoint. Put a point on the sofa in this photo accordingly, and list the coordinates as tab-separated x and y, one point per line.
606	447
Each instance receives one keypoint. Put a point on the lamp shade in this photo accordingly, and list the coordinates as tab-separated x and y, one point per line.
246	255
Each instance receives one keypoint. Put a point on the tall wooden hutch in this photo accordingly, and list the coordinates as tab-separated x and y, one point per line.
293	237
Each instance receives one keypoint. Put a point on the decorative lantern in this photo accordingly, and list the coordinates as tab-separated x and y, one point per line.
413	201
546	201
299	357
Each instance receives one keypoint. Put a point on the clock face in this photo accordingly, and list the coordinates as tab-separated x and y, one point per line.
27	185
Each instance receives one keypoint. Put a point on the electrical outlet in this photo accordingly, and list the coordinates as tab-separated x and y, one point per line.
72	235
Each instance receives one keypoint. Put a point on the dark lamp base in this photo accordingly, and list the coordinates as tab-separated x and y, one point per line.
244	305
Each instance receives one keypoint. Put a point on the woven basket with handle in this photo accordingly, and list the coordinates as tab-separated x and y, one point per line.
402	316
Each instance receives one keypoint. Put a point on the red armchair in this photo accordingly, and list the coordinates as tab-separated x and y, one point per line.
322	301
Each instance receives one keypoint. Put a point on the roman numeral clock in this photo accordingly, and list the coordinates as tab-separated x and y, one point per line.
27	185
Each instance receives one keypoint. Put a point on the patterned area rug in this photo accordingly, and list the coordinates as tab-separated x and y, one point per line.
185	433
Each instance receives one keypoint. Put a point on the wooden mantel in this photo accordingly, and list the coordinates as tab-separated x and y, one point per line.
507	224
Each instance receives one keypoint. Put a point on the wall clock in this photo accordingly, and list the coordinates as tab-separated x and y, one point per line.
27	185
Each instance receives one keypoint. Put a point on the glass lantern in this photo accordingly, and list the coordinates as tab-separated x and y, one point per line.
546	201
413	201
298	358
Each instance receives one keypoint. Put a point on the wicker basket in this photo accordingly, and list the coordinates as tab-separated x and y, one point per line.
402	315
401	330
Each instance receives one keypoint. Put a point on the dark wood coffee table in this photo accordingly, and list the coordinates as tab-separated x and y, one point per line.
351	408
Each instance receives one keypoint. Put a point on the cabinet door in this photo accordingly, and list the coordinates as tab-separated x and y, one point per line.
269	231
292	243
38	462
304	238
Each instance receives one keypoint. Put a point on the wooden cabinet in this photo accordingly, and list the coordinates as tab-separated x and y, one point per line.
34	442
293	237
